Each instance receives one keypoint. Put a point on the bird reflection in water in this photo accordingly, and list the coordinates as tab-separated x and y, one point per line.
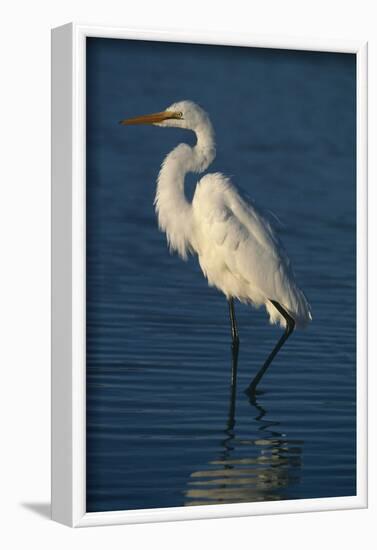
247	470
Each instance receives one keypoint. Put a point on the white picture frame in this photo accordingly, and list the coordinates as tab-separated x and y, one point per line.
68	278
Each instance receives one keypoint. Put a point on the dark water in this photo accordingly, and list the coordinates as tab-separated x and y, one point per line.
159	432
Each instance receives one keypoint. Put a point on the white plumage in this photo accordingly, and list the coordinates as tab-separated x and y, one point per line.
238	250
240	253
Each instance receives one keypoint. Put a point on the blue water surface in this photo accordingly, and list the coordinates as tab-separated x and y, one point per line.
159	433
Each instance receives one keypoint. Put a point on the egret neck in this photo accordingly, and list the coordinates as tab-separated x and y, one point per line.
174	211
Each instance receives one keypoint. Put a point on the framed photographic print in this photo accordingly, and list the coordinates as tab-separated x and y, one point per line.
209	275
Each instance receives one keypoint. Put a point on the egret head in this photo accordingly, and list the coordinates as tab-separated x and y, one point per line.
183	114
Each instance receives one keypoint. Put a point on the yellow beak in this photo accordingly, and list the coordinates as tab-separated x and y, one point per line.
151	119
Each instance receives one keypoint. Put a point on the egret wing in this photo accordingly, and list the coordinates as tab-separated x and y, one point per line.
243	237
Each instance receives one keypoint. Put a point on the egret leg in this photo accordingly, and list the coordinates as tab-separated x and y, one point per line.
290	325
235	347
233	391
233	325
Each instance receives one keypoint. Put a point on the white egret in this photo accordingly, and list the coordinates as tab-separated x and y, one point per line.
237	248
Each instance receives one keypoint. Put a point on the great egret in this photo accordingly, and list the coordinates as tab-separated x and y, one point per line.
238	250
